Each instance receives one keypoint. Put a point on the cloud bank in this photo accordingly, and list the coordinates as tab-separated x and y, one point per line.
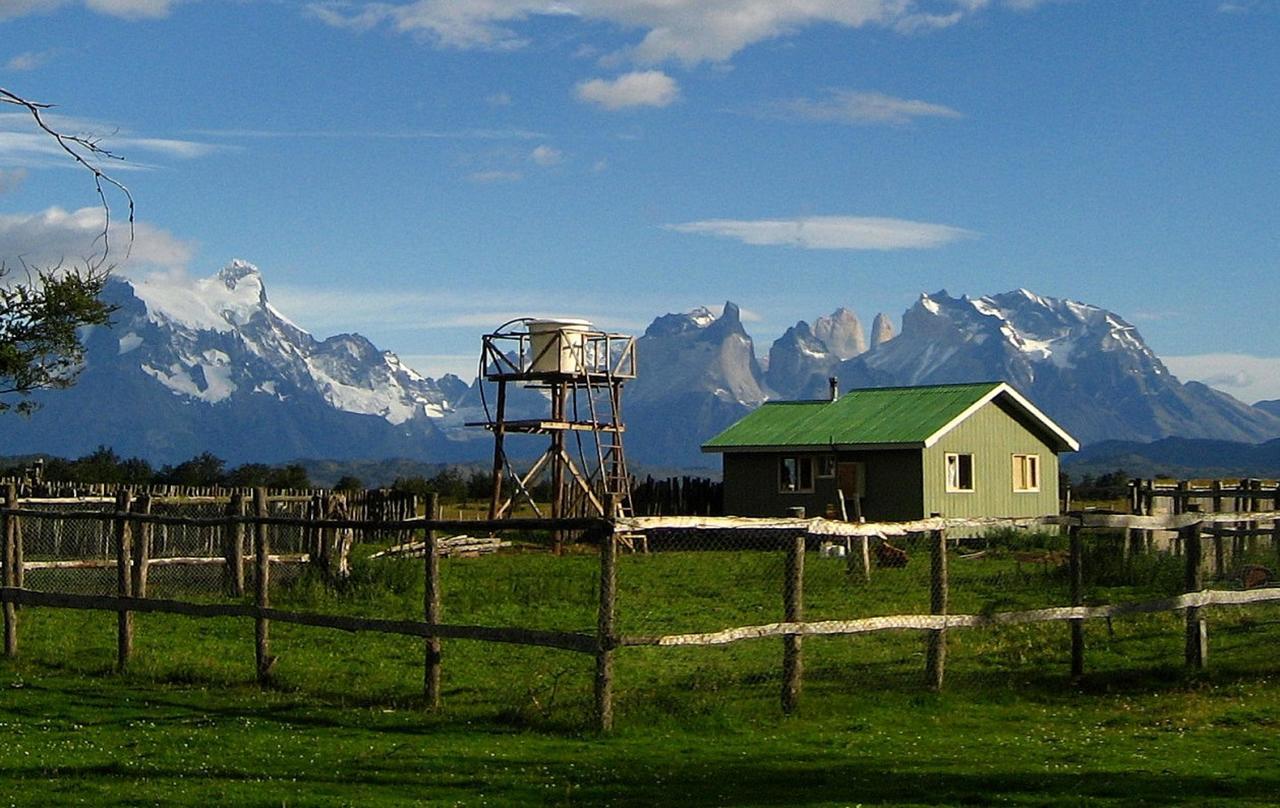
830	232
647	88
54	235
687	31
861	109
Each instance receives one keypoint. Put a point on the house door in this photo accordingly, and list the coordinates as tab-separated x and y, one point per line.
850	479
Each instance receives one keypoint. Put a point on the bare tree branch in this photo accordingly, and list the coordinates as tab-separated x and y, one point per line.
82	149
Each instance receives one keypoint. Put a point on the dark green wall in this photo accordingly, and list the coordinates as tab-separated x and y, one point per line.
893	485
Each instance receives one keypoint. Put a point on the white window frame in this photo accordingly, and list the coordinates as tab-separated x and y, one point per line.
955	487
1022	463
800	461
826	467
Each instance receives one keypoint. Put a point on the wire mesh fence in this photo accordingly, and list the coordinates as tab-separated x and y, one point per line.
703	614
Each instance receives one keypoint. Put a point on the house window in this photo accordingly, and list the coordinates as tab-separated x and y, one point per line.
1026	472
959	472
827	466
795	475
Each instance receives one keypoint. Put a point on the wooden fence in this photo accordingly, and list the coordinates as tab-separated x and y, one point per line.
1213	496
795	538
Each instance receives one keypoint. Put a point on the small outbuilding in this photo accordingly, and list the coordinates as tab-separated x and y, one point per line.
894	454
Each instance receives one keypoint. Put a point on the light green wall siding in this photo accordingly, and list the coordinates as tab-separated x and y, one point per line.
992	435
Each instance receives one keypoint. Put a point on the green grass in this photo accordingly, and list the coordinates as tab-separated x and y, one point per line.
343	721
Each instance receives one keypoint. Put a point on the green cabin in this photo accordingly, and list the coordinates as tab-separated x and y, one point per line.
895	454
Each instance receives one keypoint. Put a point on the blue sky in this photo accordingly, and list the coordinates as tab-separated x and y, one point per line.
421	171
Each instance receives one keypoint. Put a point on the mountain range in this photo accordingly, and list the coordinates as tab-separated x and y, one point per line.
211	365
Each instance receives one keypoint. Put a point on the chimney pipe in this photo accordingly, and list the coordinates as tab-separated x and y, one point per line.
835	387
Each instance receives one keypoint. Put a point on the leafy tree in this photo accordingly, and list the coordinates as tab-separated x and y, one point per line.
349	482
248	475
203	469
290	476
42	313
40	318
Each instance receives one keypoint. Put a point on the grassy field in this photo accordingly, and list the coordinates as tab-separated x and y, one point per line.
343	722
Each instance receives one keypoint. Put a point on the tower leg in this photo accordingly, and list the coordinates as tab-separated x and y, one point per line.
499	457
557	463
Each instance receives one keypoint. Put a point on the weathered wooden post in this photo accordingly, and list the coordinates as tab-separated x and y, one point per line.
124	580
1076	569
19	568
1197	647
936	656
793	612
606	627
142	545
10	570
1219	554
234	544
262	584
431	605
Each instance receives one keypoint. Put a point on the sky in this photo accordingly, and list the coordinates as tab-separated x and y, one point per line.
420	171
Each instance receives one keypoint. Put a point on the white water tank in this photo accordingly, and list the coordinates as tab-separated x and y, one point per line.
558	345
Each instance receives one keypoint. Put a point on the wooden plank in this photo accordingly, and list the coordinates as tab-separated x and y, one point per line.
432	608
233	532
1196	639
173	561
793	613
142	545
124	580
606	627
936	652
262	590
10	530
1076	571
563	640
931	622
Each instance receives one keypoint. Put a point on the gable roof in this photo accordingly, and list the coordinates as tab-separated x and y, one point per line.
882	417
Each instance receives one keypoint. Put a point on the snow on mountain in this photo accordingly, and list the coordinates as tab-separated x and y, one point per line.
220	335
1085	366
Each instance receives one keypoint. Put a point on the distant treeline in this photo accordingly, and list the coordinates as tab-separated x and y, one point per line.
103	465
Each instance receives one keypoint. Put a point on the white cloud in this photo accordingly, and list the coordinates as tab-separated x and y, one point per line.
55	235
124	9
132	9
11	179
23	144
500	99
545	155
1248	378
648	88
830	232
689	31
30	60
862	108
373	134
495	176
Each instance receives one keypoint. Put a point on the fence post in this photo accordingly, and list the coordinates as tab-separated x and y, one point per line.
432	606
793	612
1197	650
10	571
234	546
124	580
19	568
262	587
936	657
142	546
606	627
1076	570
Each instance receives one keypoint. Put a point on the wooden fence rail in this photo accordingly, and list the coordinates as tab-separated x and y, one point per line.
129	526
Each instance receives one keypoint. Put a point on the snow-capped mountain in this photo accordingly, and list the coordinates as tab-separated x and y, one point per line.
1085	366
213	338
211	365
191	365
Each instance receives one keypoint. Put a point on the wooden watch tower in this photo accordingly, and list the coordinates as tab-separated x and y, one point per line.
581	372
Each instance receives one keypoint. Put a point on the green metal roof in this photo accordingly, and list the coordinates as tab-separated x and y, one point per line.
875	416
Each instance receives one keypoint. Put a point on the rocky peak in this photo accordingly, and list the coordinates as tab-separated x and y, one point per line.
881	329
841	332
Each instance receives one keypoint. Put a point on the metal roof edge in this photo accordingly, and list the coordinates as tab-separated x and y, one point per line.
1004	388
